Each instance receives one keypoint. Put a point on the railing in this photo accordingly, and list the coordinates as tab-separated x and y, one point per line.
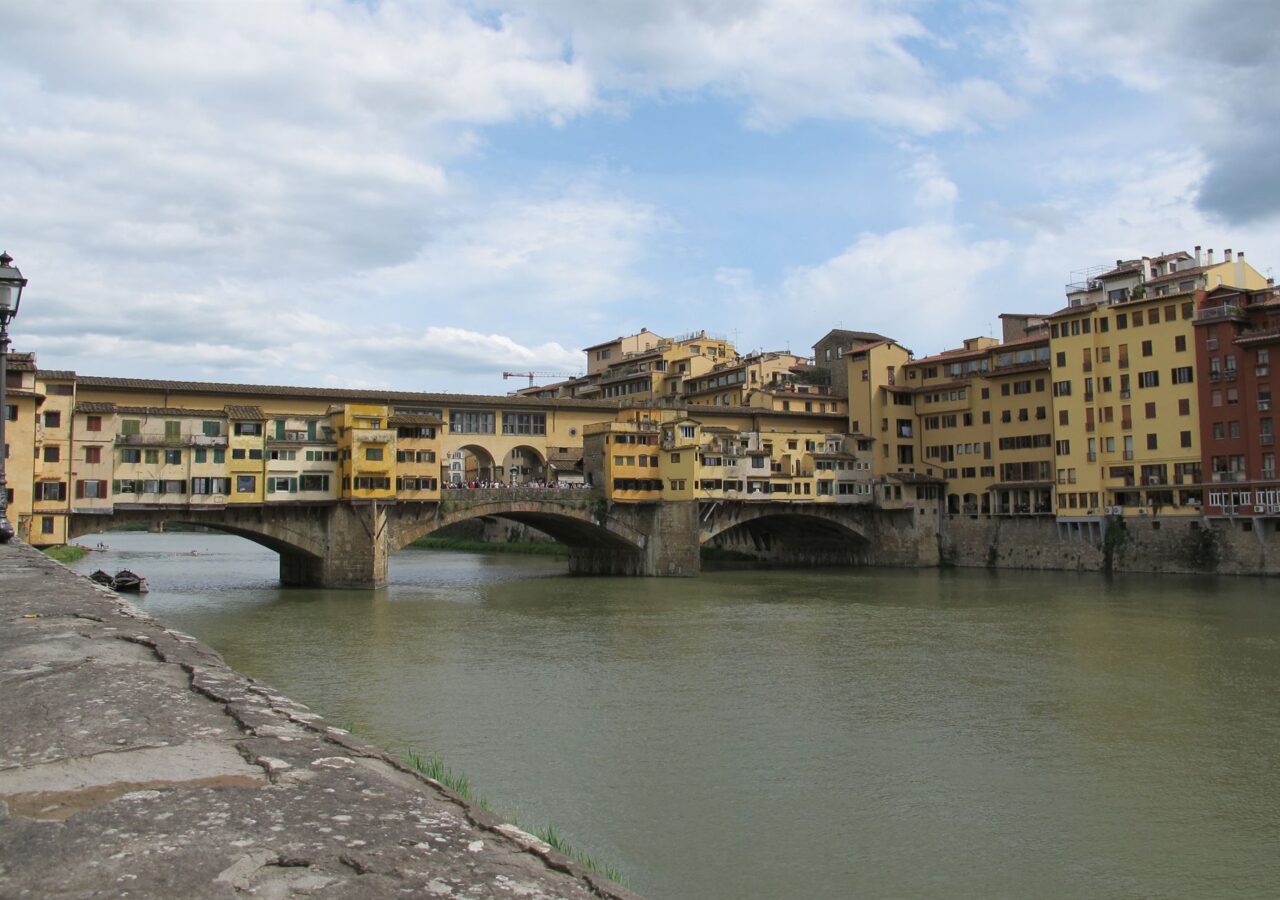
1124	395
1216	313
373	435
1215	375
1126	424
1264	404
1091	457
1230	374
160	440
1262	371
1128	454
1267	439
1219	477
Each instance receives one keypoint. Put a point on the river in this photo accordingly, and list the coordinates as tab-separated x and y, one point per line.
797	734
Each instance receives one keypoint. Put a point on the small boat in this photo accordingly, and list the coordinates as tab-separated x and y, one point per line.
103	578
128	581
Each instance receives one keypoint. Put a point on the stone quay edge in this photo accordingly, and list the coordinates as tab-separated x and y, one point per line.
135	762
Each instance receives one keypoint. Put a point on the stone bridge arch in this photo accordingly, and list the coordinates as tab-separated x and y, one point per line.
574	524
811	534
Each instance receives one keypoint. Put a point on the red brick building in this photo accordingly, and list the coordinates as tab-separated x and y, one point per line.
1237	335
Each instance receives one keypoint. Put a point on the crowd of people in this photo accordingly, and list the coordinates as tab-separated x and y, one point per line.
495	485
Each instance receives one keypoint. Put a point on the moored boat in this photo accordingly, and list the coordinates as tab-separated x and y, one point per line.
103	578
130	582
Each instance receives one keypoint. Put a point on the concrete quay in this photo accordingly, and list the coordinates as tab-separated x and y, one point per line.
134	762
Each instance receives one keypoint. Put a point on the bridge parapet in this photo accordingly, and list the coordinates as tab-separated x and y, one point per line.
575	497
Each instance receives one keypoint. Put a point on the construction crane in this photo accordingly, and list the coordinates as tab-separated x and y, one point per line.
533	375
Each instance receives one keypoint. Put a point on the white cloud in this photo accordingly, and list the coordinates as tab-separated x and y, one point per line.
785	59
1219	96
925	285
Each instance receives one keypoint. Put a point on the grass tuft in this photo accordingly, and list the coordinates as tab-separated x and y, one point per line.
434	768
66	553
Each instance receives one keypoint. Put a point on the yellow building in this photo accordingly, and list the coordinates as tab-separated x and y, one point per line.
22	446
732	383
246	457
1126	420
367	450
984	424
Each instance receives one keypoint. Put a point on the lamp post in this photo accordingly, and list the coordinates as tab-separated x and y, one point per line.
11	285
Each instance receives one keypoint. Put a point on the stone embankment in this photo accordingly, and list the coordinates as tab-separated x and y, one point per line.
134	762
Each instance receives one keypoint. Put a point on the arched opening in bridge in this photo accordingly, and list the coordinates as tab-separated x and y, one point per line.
524	465
595	546
472	464
795	539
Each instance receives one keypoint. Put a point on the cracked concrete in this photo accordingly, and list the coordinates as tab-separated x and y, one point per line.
134	762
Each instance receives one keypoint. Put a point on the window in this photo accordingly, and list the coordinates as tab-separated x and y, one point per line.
1062	448
1151	442
151	457
172	430
1146	348
91	489
93	454
1148	379
524	423
247	429
1180	343
130	455
463	421
246	484
314	483
52	453
210	429
1061	359
373	483
173	457
1185	438
51	490
255	454
53	419
1150	410
1184	407
282	485
219	456
1122	320
1182	375
1063	418
130	426
1062	389
93	423
237	453
373	454
687	431
46	524
1137	318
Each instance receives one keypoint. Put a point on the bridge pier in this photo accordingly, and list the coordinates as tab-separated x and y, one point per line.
357	550
670	548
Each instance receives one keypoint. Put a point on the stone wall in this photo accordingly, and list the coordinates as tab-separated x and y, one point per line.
1147	544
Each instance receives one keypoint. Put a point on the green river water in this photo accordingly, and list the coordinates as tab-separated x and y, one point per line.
797	734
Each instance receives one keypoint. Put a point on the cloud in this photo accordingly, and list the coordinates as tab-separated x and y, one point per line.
918	283
1219	94
785	60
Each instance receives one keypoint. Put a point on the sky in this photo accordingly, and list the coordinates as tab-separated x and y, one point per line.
421	194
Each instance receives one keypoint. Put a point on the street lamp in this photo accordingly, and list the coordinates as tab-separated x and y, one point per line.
11	285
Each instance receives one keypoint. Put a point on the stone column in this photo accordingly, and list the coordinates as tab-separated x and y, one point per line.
357	549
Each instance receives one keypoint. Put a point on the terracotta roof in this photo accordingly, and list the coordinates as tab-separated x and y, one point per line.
1178	275
21	362
89	407
167	411
867	336
251	413
564	460
23	392
55	375
333	394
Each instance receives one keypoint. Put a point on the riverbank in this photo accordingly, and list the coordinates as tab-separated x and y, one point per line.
165	773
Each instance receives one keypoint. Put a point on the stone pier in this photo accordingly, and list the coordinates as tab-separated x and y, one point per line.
134	762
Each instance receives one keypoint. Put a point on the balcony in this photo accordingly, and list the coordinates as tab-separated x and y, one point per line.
373	435
1230	375
1264	404
160	440
1128	454
1218	313
1124	395
1267	440
1262	371
1091	456
1215	375
1221	477
1126	424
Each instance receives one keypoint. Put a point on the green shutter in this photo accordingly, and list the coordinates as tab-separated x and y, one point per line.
311	429
279	429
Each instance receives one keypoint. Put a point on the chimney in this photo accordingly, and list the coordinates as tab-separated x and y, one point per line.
1239	272
1119	263
1146	268
1226	255
1197	254
1209	261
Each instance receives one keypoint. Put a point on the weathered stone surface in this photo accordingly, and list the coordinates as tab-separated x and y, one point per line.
134	762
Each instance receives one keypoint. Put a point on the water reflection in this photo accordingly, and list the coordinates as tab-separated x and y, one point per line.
799	734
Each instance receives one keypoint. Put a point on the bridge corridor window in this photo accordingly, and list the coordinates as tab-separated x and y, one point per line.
373	454
173	457
524	423
248	429
463	421
124	486
151	457
282	485
246	484
130	426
